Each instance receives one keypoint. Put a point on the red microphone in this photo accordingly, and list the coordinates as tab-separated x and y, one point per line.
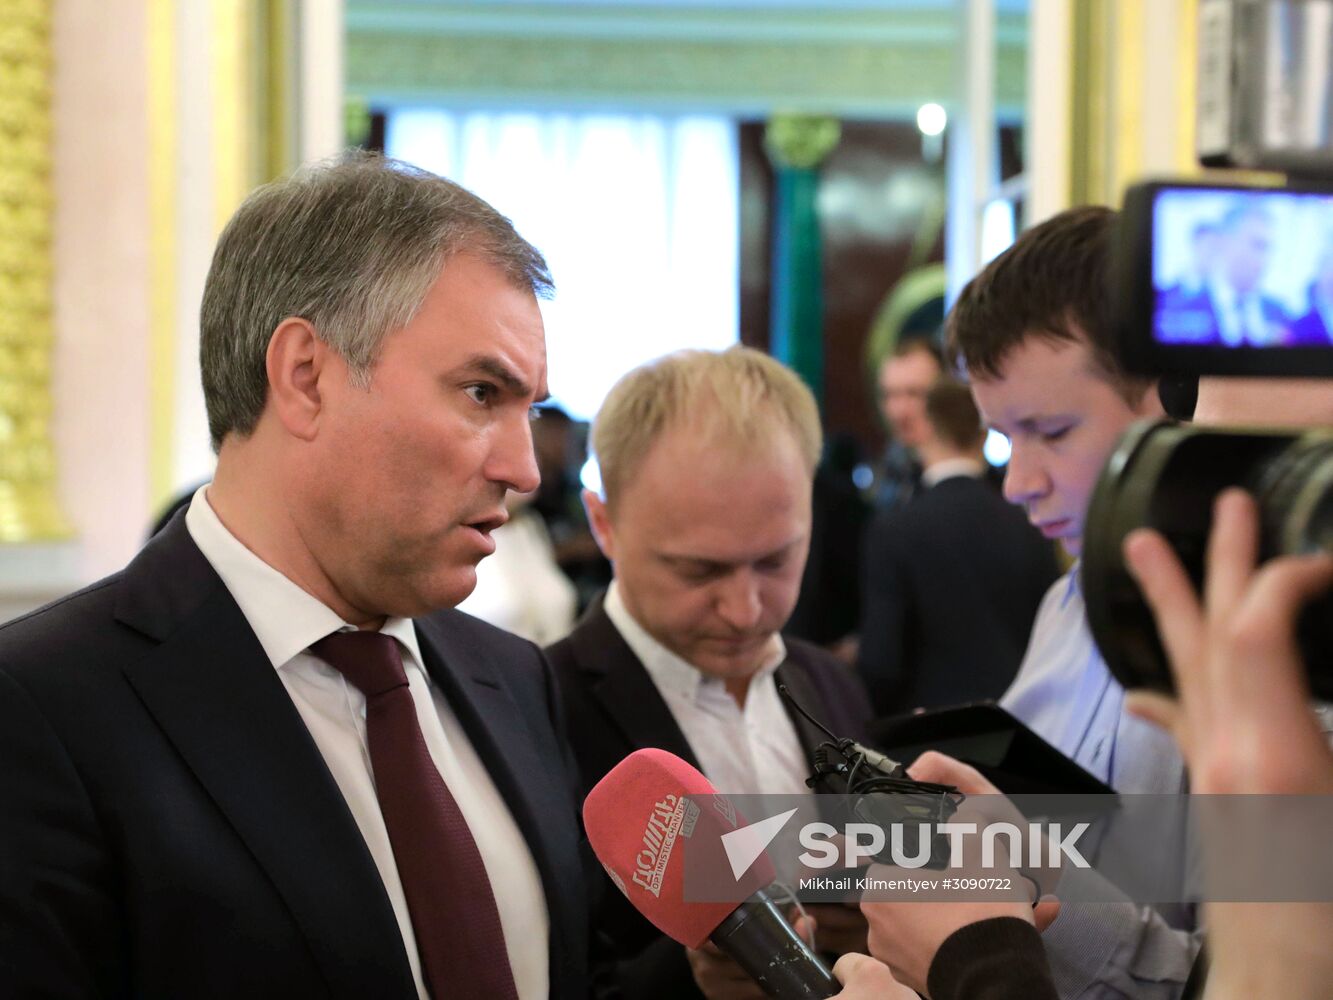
638	818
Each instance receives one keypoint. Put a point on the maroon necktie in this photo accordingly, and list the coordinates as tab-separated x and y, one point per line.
457	926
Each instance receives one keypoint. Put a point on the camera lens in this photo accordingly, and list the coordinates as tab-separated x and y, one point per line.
1295	492
1166	476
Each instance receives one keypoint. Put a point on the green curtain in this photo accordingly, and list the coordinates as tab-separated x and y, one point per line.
797	309
797	145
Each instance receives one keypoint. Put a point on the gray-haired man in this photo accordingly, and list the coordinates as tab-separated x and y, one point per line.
265	759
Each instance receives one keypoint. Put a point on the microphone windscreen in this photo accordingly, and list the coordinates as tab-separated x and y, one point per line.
639	819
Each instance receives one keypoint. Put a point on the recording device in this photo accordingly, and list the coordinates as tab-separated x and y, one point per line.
879	788
1226	279
637	818
1265	94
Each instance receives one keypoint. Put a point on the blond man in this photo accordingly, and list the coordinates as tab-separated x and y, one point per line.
707	462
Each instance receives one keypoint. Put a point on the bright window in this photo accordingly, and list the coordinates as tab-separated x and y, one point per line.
638	216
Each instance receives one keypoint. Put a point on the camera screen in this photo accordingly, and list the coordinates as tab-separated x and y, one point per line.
1242	268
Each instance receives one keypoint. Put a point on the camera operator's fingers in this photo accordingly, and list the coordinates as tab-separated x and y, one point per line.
1264	663
841	927
1233	550
1162	711
864	978
1045	912
805	926
941	769
1170	596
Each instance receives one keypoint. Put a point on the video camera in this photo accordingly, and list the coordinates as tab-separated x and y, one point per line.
1228	279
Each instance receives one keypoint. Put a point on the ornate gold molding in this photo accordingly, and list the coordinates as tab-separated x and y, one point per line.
28	507
729	75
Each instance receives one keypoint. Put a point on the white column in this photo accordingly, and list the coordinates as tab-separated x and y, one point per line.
101	251
970	169
320	33
195	234
1162	74
1047	158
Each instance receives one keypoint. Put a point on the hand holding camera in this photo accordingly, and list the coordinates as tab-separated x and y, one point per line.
1243	718
1244	723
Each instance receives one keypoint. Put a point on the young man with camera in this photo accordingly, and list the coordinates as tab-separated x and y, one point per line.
1034	332
1246	618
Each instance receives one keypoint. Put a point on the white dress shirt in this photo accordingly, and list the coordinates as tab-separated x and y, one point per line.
286	620
752	750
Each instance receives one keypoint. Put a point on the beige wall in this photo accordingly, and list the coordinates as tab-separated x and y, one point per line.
101	363
155	120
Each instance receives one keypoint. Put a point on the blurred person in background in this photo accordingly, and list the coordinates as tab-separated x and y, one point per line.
953	579
520	588
829	606
905	376
559	444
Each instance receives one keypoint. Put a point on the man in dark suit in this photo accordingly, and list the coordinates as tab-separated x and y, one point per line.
1231	309
905	376
706	462
266	759
953	580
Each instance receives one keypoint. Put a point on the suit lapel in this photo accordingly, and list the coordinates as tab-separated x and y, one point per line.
217	698
622	686
475	691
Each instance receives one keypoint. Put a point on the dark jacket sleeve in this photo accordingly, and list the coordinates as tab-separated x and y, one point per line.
997	959
59	915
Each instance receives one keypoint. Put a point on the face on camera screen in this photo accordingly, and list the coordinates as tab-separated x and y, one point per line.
1242	268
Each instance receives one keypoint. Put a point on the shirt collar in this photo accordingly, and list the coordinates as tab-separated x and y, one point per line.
284	618
668	670
950	468
1073	590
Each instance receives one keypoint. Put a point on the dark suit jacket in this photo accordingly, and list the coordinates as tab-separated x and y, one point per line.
952	585
168	827
614	709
